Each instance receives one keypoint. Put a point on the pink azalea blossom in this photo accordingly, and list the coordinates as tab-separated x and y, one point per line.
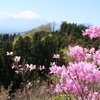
77	52
42	67
52	63
58	88
9	53
56	56
17	59
53	69
76	77
13	66
1	96
27	65
16	72
92	50
30	67
92	32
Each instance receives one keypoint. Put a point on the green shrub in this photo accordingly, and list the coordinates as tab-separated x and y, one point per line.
62	97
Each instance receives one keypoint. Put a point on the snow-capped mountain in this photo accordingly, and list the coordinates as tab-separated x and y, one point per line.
20	22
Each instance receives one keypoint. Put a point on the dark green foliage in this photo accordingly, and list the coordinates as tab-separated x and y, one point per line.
4	37
7	74
22	48
63	26
43	48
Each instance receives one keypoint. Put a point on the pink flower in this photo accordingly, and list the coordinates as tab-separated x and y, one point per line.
92	32
42	67
9	53
16	72
58	88
92	50
96	96
75	90
52	63
27	65
0	96
77	52
17	59
85	90
30	67
53	69
76	78
56	56
96	57
13	66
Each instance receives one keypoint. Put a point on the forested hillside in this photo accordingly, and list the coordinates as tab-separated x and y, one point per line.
38	47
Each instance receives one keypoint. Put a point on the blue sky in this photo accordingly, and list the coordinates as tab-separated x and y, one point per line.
72	11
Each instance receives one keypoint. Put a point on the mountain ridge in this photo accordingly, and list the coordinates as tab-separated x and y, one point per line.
18	25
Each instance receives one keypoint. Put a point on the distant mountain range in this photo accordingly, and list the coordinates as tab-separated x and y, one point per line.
16	25
19	25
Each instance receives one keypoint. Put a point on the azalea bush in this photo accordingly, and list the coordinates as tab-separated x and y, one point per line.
29	89
81	77
23	69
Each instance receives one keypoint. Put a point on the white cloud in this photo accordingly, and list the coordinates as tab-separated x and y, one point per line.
4	15
25	15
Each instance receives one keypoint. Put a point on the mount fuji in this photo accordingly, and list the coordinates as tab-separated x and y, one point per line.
21	22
